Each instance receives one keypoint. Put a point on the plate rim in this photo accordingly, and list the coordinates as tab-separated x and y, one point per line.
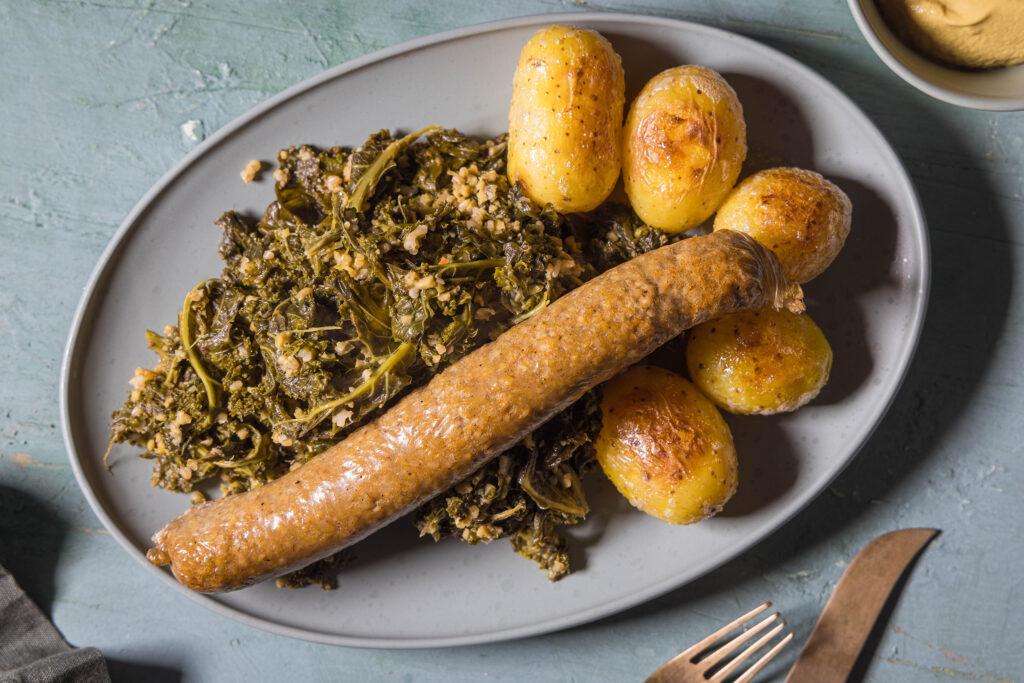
919	243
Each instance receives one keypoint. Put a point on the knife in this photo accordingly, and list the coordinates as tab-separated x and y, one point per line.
853	609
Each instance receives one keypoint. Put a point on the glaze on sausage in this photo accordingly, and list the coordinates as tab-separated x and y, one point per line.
470	412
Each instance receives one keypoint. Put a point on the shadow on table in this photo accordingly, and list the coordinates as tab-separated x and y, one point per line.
31	535
874	638
129	672
972	277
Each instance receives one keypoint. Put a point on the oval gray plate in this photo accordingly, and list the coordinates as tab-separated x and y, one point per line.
405	592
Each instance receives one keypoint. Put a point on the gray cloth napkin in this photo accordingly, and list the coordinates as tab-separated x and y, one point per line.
31	649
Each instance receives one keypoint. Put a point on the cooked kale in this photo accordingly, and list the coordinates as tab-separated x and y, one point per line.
373	269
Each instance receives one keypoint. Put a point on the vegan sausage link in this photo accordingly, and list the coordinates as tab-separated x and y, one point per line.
470	412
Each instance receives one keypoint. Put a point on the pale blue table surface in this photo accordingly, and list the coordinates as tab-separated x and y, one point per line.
98	99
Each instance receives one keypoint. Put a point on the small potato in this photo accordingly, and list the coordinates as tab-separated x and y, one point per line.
665	446
759	362
565	122
685	140
798	214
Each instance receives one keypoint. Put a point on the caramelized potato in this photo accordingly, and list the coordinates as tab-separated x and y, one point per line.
798	214
665	446
759	362
565	122
684	143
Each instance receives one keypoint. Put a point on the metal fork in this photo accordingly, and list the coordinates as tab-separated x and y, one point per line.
694	664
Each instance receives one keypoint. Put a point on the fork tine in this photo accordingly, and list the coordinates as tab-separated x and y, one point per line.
721	653
765	658
743	656
683	669
702	645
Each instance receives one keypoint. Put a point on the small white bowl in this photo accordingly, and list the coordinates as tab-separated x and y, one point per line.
999	89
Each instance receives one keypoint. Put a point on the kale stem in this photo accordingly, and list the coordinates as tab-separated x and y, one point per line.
254	456
546	496
384	368
480	264
106	454
313	329
211	385
367	182
535	310
331	235
497	517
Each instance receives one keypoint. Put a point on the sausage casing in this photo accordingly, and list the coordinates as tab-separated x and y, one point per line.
470	412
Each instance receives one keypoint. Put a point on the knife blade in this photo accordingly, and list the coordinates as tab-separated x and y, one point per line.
851	612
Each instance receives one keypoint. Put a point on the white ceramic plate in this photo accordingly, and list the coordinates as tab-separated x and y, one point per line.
405	592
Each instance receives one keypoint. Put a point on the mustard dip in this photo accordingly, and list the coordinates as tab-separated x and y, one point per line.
969	33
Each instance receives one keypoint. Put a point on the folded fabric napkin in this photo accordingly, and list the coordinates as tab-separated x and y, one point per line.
31	649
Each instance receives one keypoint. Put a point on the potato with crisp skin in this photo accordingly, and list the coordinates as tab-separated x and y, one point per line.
565	122
759	362
665	446
685	140
798	214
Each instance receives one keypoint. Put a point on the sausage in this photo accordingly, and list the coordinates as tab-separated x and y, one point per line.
470	412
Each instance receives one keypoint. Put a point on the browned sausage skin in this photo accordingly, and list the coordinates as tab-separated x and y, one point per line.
470	412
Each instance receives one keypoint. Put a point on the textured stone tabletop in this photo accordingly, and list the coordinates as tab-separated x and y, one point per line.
99	99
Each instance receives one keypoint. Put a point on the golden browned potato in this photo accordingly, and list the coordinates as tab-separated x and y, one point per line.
565	122
759	362
684	143
798	214
665	446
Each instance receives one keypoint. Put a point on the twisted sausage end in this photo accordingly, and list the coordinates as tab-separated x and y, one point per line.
779	291
158	557
791	297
